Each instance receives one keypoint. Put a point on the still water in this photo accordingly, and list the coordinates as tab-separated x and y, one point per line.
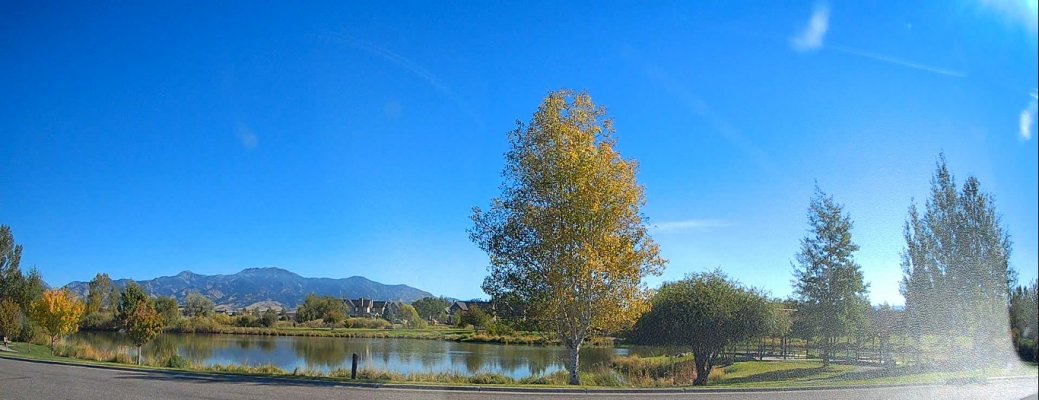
325	354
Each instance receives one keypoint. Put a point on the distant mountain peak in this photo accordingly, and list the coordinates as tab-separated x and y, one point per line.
264	284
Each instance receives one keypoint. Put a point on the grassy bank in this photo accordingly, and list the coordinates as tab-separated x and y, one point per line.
623	372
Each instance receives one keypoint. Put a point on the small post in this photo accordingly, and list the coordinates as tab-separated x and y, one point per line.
353	367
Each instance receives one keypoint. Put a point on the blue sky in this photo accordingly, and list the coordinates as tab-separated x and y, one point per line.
339	140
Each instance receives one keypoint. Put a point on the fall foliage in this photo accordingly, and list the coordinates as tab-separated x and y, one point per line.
57	312
143	324
566	238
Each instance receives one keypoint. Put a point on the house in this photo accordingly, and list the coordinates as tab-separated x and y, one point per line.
459	307
368	308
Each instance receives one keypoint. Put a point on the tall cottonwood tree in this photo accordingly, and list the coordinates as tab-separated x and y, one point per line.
98	292
10	257
827	280
956	271
566	238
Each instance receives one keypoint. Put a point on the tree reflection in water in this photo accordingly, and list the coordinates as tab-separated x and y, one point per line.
322	353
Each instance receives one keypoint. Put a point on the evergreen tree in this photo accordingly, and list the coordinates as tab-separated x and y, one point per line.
828	282
956	271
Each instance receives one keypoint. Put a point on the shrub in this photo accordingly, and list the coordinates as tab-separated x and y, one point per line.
246	321
176	361
222	319
122	358
316	323
656	371
376	375
99	320
268	319
556	378
485	378
246	369
366	323
604	377
1026	350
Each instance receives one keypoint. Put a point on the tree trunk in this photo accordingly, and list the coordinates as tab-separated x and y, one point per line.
827	349
138	355
703	368
573	355
52	344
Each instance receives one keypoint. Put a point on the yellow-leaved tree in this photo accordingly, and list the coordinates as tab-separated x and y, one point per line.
567	243
57	312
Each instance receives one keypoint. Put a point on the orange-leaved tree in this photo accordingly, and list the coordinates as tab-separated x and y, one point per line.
57	312
143	324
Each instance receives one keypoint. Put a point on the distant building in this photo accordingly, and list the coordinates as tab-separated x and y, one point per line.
460	307
368	308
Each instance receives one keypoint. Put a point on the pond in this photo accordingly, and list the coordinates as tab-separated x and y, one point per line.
325	354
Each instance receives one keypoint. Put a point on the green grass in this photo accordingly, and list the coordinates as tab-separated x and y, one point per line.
787	373
774	374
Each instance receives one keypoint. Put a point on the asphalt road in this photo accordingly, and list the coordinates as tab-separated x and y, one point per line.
33	380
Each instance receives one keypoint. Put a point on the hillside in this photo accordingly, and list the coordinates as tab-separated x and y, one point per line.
253	285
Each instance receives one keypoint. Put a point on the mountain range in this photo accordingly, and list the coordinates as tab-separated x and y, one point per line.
266	286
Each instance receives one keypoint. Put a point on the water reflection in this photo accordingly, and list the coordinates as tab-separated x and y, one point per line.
326	354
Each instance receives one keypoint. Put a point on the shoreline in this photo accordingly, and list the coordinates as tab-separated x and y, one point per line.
1025	371
445	334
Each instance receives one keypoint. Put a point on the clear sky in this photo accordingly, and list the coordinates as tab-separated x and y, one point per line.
339	140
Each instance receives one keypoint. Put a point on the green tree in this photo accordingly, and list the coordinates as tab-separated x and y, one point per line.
167	308
57	312
432	308
131	295
11	278
410	317
1024	320
327	308
476	317
827	280
27	293
566	237
779	322
268	318
98	291
884	321
197	305
143	324
22	289
707	312
10	319
956	272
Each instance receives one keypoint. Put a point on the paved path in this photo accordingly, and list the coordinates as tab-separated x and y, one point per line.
34	380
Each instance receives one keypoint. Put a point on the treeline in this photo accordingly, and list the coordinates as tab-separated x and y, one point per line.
568	253
957	282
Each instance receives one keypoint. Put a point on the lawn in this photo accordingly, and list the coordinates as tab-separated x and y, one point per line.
761	374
